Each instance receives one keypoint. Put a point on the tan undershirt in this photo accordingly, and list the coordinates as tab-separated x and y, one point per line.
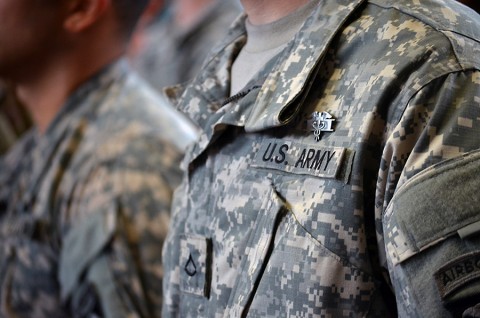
264	42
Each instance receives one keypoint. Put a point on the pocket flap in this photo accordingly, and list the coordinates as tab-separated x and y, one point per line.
440	202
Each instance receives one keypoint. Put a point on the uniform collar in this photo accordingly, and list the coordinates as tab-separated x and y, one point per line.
286	87
282	90
283	84
204	95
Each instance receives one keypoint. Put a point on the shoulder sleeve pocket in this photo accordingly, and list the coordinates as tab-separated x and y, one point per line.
442	202
432	238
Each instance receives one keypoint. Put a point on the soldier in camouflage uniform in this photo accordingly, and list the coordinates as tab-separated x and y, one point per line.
355	149
84	199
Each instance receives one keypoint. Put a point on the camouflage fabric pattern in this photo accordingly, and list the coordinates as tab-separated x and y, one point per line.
14	119
419	239
171	55
85	206
262	226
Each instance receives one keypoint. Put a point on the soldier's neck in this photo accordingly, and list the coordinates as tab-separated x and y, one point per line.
45	93
267	11
188	12
46	89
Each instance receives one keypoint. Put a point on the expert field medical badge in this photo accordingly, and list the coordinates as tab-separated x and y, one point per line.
322	121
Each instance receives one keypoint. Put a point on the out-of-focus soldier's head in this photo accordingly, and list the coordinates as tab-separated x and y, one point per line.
35	33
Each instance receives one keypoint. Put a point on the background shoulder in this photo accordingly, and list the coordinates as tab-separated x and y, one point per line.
458	23
133	108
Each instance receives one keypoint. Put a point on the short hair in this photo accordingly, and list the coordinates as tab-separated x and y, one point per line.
128	13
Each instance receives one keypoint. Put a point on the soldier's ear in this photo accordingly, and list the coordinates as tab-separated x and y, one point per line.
81	14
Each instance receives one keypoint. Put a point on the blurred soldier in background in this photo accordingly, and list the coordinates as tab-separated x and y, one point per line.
338	168
85	195
173	46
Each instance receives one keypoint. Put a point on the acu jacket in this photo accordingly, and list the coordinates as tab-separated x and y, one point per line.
341	178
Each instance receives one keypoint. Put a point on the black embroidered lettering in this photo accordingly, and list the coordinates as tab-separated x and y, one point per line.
477	263
458	270
310	155
446	279
281	151
301	159
469	267
269	157
317	162
329	158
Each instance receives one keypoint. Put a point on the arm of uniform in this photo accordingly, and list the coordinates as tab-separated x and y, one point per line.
431	227
110	263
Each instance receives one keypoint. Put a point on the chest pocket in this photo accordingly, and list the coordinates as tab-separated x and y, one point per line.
278	216
280	261
283	261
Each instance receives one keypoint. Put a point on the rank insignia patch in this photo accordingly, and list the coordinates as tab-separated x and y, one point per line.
321	122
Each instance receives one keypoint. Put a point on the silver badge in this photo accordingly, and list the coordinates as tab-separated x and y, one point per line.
322	121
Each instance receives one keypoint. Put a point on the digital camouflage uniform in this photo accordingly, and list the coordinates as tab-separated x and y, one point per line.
14	119
84	208
171	55
285	214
